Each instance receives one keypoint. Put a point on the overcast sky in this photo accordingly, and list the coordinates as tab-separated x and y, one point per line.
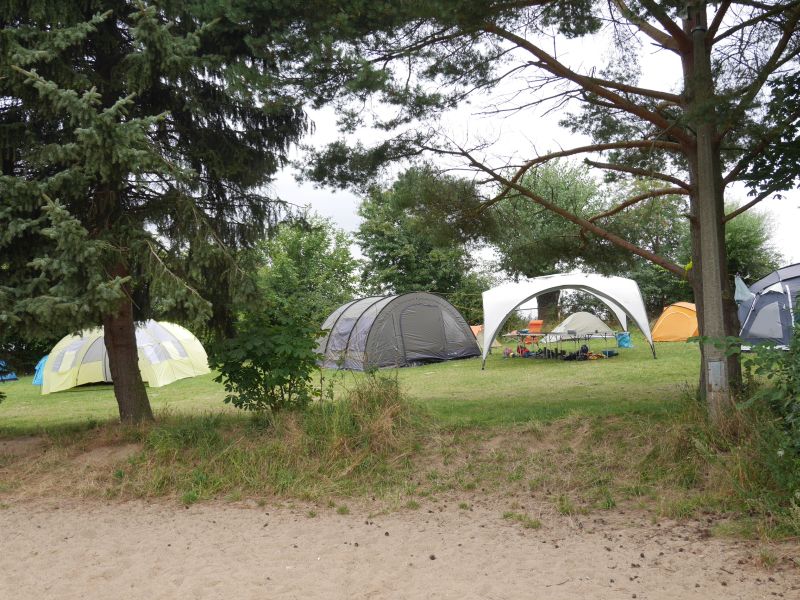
525	135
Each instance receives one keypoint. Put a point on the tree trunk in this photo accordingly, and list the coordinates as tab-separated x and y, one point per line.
123	360
719	375
548	309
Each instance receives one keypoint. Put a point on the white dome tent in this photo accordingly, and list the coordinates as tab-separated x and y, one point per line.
620	294
579	325
167	352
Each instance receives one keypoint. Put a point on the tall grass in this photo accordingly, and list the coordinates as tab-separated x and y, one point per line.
362	441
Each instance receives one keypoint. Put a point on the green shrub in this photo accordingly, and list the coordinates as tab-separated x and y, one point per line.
781	391
268	365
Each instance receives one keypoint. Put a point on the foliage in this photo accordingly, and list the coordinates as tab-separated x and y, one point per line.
781	390
137	141
531	241
408	243
308	268
269	363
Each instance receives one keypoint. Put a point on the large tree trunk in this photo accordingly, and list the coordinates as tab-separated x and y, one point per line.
720	375
123	361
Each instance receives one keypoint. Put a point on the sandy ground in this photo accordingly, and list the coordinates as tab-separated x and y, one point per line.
75	549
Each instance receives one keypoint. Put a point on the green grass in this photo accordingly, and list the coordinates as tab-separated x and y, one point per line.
523	519
25	411
457	393
519	390
582	436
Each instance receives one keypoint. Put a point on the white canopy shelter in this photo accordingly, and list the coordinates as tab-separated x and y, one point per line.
620	294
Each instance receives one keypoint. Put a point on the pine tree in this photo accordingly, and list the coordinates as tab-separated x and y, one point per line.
137	140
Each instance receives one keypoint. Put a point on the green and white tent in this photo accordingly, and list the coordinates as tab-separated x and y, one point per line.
167	352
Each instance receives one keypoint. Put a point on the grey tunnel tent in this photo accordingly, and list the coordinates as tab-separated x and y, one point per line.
395	331
769	312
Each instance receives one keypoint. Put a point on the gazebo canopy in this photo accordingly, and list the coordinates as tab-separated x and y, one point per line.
620	294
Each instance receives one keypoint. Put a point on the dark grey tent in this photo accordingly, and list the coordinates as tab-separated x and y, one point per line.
769	314
395	331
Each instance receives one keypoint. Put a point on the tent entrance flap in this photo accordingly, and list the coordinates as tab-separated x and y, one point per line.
620	294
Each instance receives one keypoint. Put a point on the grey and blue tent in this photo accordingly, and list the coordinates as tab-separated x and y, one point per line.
395	331
768	313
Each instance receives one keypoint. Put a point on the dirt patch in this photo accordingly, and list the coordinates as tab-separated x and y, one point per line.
107	456
83	549
21	446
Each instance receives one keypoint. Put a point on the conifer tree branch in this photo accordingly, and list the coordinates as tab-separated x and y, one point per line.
584	224
633	144
776	60
658	36
762	196
717	21
548	63
640	172
636	199
768	12
672	28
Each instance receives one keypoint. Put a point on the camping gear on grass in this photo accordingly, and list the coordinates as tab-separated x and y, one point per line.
620	294
5	373
677	323
624	339
769	314
395	331
167	352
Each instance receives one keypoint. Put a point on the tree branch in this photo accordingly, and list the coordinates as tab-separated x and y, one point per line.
640	172
632	89
581	222
775	10
672	28
661	38
551	65
714	27
636	199
643	144
762	196
752	90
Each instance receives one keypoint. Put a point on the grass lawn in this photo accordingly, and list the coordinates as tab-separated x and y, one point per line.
581	436
458	393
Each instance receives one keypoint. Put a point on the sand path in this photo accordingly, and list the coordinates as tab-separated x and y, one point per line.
137	550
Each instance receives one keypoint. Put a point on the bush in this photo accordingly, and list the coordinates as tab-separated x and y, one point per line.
781	391
268	365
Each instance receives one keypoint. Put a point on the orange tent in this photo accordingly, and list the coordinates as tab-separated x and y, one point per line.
677	323
477	331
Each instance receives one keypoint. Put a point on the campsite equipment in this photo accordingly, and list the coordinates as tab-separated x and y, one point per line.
769	314
167	352
579	325
38	377
6	375
395	331
624	339
677	323
620	294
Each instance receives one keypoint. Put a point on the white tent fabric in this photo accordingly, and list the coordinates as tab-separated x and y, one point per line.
579	324
620	294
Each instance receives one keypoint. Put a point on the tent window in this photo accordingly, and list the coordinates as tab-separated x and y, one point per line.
96	351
